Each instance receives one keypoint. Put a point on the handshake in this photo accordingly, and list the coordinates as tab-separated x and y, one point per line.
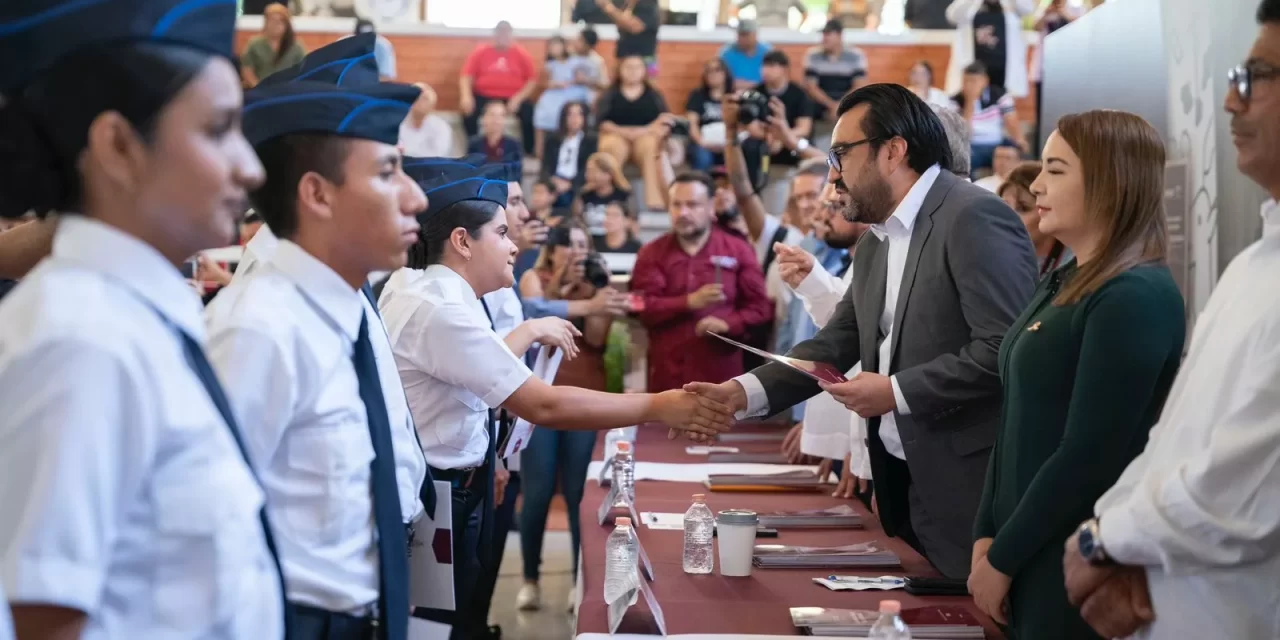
701	410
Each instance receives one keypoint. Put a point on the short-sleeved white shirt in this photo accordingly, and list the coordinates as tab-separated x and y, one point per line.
123	492
454	367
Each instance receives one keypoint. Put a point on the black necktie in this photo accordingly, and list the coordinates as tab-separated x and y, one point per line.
845	261
200	365
393	544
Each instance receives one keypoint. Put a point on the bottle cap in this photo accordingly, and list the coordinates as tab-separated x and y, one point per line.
699	497
624	447
623	521
888	606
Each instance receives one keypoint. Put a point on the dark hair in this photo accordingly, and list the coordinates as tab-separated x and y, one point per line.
1021	177
728	77
545	183
976	68
45	127
365	25
696	177
895	112
617	72
833	26
928	68
287	40
590	37
563	126
493	103
1268	11
287	159
778	57
469	215
564	48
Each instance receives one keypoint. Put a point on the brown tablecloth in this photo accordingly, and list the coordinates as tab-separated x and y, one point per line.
758	604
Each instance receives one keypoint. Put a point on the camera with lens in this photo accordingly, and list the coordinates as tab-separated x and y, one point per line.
752	106
680	127
595	272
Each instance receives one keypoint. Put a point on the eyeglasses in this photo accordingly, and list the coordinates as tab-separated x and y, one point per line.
838	150
1241	78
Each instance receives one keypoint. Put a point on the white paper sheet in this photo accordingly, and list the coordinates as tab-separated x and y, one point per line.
698	472
706	450
431	555
681	636
545	368
663	521
420	629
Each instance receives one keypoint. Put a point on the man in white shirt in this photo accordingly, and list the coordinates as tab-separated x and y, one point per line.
294	342
1195	519
424	133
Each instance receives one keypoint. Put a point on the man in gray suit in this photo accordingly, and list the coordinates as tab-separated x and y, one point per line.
947	268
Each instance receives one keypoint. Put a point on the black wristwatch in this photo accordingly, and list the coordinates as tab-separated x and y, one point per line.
1089	539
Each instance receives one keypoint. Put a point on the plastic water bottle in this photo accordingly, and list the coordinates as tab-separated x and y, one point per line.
890	625
699	526
624	473
622	552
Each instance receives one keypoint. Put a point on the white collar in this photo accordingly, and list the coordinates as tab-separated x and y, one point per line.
904	216
135	265
442	273
322	286
263	244
1270	217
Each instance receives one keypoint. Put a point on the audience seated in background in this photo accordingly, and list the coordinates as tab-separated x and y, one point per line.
424	134
785	133
776	13
566	77
746	56
991	112
856	14
383	51
584	44
831	70
990	32
920	82
637	21
542	199
619	230
276	48
706	125
1003	160
1016	192
493	141
501	71
565	161
603	183
629	117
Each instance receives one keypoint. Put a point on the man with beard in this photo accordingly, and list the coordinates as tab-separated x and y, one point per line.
697	278
947	270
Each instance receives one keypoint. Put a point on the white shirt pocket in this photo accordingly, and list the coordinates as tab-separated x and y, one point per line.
334	462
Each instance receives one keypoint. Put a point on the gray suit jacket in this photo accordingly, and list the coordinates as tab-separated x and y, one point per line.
970	272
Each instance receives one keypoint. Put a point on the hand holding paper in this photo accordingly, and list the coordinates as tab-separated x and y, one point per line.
869	395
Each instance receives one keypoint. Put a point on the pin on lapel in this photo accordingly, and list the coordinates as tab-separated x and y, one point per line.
1034	327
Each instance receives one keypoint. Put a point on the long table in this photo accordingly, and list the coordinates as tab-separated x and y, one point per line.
713	604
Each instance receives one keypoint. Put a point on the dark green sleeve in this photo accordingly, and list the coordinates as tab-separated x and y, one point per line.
252	57
984	524
1133	326
295	55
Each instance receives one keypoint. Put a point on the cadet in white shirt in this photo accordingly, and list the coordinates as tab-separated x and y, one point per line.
129	508
294	343
455	368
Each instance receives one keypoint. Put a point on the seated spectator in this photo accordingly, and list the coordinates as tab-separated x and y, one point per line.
493	141
585	45
603	183
992	114
542	200
629	118
1005	159
424	134
990	32
745	57
776	13
499	72
565	162
276	48
856	14
566	78
920	82
619	230
637	21
706	125
832	70
382	50
798	123
1016	192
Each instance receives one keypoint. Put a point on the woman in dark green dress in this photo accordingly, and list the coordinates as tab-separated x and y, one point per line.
1086	368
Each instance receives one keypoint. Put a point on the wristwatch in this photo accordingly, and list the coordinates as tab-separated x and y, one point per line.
802	144
1089	539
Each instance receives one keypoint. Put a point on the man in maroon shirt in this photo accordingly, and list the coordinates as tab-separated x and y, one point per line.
695	279
501	71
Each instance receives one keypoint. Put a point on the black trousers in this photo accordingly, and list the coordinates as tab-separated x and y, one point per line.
471	122
310	623
894	491
503	519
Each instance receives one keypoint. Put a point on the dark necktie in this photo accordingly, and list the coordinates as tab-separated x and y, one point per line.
393	544
200	365
845	261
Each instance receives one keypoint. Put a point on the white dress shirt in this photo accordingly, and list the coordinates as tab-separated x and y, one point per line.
282	339
123	492
411	466
507	312
6	625
432	139
567	163
453	366
896	232
1200	507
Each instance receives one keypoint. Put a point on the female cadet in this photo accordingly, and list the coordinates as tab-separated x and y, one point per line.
130	510
455	369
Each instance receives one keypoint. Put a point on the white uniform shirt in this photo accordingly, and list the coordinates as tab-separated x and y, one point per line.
897	232
1200	507
122	490
454	367
6	625
507	312
282	339
411	466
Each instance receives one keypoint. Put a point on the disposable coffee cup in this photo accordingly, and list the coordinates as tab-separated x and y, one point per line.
736	539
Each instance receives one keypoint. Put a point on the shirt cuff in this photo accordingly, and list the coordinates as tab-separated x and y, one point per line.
56	581
814	284
507	386
1122	538
757	399
898	398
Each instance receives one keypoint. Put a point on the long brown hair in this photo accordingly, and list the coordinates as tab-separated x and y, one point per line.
289	38
1122	157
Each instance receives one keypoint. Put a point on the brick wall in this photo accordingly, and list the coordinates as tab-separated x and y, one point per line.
437	59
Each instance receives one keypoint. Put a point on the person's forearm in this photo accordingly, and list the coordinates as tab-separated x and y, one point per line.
577	409
625	21
520	339
539	307
464	88
595	330
750	206
21	248
803	128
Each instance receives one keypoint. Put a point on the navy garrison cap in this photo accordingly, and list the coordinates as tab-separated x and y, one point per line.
430	172
476	187
369	113
349	62
34	34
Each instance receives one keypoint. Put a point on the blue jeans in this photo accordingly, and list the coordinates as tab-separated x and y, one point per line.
981	156
552	454
702	159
